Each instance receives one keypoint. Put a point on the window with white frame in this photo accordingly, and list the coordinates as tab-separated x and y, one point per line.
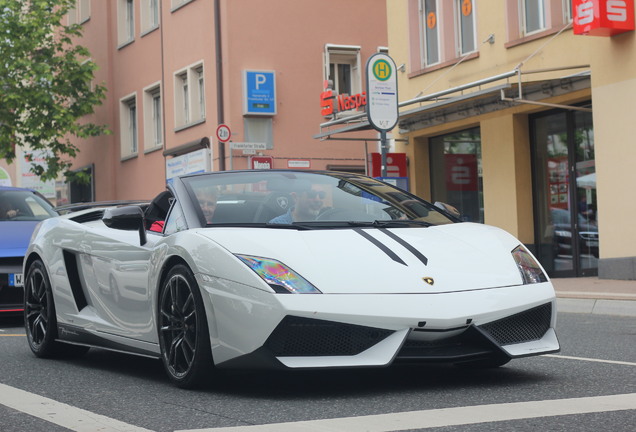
149	15
128	126
189	87
531	19
567	10
342	69
430	32
533	16
80	12
153	118
465	13
175	4
125	21
443	31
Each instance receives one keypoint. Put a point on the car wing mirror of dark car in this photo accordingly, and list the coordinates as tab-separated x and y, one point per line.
128	218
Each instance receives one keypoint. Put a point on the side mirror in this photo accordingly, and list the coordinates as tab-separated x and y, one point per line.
447	208
128	218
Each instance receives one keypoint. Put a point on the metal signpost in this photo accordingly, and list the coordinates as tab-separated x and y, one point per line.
382	98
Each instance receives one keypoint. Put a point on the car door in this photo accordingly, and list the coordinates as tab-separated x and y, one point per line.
116	268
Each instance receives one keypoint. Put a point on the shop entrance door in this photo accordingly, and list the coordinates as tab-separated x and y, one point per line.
565	195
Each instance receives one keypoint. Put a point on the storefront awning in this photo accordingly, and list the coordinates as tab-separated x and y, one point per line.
465	101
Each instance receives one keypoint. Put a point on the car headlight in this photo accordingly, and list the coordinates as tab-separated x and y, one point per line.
529	268
277	275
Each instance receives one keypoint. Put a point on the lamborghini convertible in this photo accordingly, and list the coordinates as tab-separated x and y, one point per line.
288	270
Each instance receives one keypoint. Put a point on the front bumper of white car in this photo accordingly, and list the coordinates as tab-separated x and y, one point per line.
333	330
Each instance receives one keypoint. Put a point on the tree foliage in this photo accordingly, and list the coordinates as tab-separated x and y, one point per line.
46	85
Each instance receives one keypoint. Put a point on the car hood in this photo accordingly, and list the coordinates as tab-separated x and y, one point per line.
15	237
454	257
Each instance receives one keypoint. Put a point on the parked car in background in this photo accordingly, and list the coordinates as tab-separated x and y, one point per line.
20	211
587	231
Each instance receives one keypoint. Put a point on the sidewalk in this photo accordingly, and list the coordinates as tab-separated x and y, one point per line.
596	296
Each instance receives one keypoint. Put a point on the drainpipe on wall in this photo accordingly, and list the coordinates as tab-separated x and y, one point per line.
219	79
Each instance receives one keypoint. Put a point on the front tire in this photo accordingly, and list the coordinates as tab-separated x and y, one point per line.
40	321
183	331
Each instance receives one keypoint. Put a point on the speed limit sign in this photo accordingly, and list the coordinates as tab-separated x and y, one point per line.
223	133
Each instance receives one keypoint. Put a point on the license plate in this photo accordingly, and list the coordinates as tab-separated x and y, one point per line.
16	279
591	243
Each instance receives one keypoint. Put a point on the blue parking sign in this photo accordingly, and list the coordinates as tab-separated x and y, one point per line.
259	92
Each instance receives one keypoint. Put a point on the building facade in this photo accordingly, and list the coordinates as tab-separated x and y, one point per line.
176	70
516	112
517	121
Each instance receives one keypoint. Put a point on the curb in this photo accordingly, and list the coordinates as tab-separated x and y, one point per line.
624	308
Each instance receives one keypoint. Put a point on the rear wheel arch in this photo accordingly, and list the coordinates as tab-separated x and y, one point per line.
30	260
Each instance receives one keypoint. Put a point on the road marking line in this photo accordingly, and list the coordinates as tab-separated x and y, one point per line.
590	359
448	416
61	414
12	334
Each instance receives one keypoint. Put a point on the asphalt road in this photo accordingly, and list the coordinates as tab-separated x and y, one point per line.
589	386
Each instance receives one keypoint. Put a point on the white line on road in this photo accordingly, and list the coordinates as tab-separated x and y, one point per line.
75	419
448	416
590	359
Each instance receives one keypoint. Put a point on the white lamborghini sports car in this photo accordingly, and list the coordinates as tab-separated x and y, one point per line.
284	269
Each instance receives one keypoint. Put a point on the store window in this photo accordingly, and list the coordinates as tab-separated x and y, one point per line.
82	191
456	175
565	193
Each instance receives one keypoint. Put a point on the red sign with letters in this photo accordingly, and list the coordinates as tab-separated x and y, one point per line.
395	165
461	172
602	17
261	162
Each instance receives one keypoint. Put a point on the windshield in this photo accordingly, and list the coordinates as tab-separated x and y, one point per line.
24	205
280	198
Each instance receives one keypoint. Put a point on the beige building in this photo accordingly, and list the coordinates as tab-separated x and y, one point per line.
520	123
176	70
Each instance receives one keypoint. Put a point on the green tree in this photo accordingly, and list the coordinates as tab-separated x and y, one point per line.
46	85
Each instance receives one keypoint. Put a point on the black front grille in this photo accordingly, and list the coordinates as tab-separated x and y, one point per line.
525	326
296	336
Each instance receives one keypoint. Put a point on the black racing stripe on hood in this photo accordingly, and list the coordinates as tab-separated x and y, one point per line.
407	245
380	245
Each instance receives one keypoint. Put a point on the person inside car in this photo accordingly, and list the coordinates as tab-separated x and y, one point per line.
307	205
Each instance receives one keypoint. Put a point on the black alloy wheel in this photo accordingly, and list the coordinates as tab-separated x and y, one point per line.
183	331
39	316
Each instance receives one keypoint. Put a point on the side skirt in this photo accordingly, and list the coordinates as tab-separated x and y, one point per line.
77	336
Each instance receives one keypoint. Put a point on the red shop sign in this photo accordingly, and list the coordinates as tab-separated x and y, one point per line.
602	17
261	162
461	172
395	165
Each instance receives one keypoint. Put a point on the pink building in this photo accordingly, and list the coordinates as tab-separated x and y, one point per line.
177	69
